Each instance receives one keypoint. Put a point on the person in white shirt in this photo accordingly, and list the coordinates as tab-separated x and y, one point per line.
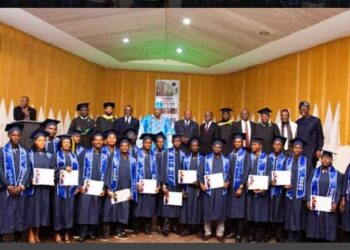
288	129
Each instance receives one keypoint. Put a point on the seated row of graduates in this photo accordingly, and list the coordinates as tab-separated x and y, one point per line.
25	206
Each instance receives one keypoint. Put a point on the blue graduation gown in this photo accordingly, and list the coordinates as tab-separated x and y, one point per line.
295	209
39	204
89	206
159	157
323	225
166	210
63	213
12	210
118	212
237	207
258	205
346	214
215	205
191	210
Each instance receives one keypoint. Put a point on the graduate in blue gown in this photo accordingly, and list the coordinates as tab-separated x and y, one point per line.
191	210
14	179
214	200
64	196
39	196
121	176
240	164
93	164
50	126
145	207
295	198
77	148
258	201
171	164
345	206
326	181
278	163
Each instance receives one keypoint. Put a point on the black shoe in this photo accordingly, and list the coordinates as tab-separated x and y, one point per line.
92	237
266	239
105	237
121	235
81	239
251	238
136	232
280	240
148	231
238	239
185	233
165	233
221	239
205	237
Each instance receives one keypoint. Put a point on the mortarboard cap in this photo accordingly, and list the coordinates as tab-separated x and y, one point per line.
82	105
279	138
49	122
109	104
14	126
38	133
265	111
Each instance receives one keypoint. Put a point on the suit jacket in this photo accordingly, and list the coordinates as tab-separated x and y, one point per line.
18	115
207	138
293	127
121	126
237	128
191	130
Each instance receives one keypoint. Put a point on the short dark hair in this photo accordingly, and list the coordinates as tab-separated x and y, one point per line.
285	110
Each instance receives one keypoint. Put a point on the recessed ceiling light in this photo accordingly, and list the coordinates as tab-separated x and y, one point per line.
126	40
186	21
264	33
179	50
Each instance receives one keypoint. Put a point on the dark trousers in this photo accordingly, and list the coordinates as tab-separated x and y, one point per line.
170	224
237	226
294	236
142	223
87	230
257	230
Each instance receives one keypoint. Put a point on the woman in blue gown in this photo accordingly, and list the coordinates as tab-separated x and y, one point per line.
345	206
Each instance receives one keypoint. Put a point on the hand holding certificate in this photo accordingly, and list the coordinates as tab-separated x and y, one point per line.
258	182
43	177
69	178
214	181
148	186
187	176
121	196
173	199
281	178
321	203
92	187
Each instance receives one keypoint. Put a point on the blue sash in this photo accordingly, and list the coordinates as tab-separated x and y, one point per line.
332	188
262	163
137	150
186	165
141	165
55	142
277	190
88	159
30	191
301	179
209	167
171	165
9	165
61	163
79	149
348	187
115	172
239	165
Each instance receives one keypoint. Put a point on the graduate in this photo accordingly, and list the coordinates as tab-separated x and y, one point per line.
266	129
295	209
77	148
14	179
345	206
191	210
258	201
50	126
93	164
121	175
171	164
278	162
107	121
226	129
84	124
325	181
240	164
64	196
39	196
132	135
214	200
145	207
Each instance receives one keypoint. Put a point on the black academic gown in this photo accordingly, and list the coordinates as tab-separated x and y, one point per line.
192	129
86	127
226	135
267	132
12	215
103	124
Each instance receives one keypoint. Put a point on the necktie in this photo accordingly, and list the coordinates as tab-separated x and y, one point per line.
206	127
247	142
186	124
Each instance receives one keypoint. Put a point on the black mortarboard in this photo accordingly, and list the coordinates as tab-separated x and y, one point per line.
124	139
62	137
75	132
82	105
130	132
298	141
49	122
14	126
37	133
257	139
109	104
96	133
226	110
160	135
304	104
110	132
279	138
146	136
194	139
216	141
238	135
265	111
328	153
177	135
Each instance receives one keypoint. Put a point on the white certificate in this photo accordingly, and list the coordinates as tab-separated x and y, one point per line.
92	187
258	182
214	181
121	196
148	186
173	199
187	176
43	177
281	178
69	178
321	203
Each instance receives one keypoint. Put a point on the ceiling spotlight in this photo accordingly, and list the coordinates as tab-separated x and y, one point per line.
126	40
179	50
264	33
186	21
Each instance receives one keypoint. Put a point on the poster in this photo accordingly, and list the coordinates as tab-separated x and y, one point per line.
168	92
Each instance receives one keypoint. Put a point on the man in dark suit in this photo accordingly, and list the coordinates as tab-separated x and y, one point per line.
126	122
207	131
23	111
245	126
188	128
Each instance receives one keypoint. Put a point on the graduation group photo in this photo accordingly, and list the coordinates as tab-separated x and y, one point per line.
169	125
